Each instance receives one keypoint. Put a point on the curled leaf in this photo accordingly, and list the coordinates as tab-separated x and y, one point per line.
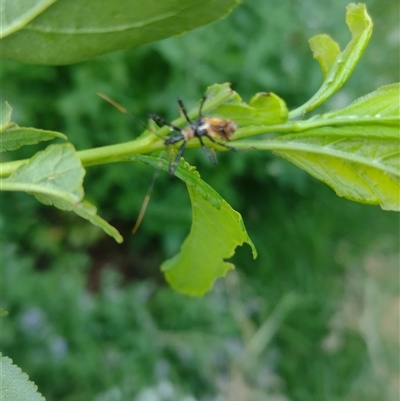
216	231
338	66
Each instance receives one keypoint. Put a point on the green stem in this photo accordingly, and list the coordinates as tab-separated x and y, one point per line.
101	155
153	143
301	126
112	153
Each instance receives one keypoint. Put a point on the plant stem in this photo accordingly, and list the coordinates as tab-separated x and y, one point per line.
152	143
142	145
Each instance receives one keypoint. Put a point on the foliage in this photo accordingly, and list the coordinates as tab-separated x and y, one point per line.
13	137
15	384
140	338
35	32
333	346
364	142
216	231
55	177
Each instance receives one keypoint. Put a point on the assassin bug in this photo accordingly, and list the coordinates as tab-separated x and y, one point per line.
209	127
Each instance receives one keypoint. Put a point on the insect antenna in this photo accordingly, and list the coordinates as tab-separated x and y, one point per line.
121	108
146	199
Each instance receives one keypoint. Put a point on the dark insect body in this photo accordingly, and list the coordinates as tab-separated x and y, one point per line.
212	128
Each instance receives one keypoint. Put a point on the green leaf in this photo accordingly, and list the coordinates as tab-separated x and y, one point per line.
16	137
5	115
381	105
55	172
89	212
263	109
360	170
13	137
355	150
55	176
15	384
222	101
16	14
270	107
325	51
71	31
338	66
216	231
216	90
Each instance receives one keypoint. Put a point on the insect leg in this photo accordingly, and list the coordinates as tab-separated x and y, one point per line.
201	106
174	164
172	139
207	151
221	144
182	108
160	120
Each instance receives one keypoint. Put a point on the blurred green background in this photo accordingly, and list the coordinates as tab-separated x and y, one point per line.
315	317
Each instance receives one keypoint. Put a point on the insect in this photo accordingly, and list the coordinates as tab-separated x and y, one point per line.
213	128
209	127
